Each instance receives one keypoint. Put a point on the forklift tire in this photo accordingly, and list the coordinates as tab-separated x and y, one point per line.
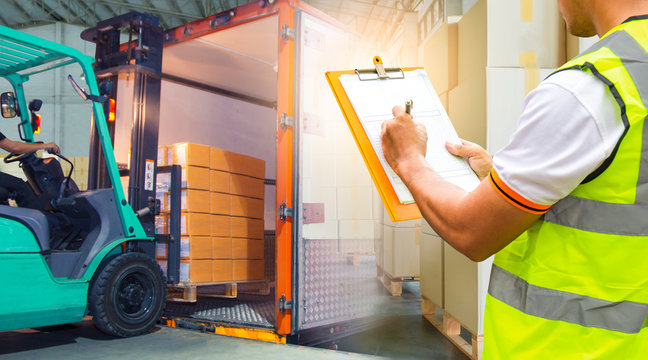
128	295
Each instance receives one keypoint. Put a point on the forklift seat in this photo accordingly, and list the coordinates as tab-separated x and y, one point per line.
34	220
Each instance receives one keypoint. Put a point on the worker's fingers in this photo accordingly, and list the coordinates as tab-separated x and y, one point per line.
422	132
465	149
397	110
478	158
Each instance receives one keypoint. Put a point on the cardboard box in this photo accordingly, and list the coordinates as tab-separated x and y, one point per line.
530	26
354	203
163	266
247	249
247	207
219	181
191	248
440	57
246	186
222	270
219	159
161	224
162	155
247	165
247	228
191	200
505	92
221	247
161	251
245	270
196	247
195	224
472	48
188	154
469	121
220	225
194	177
432	268
401	249
195	271
220	203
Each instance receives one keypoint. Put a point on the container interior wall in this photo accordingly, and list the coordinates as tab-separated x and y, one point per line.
337	266
193	115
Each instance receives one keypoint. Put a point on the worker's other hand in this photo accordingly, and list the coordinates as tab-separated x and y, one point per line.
52	148
404	143
478	158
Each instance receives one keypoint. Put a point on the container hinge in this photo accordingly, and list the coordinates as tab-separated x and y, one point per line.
286	121
287	33
285	304
285	212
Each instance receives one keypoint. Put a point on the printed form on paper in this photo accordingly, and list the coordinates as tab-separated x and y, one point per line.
373	102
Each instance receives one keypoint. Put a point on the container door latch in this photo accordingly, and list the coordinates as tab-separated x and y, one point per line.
287	32
286	121
285	304
285	212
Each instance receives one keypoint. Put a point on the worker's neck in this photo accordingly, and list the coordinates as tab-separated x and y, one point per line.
612	13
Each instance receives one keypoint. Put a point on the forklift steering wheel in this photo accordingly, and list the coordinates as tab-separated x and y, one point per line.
17	157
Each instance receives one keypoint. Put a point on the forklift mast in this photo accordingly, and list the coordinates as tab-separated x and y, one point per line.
140	58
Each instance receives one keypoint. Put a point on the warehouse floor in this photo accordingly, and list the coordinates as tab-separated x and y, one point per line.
403	335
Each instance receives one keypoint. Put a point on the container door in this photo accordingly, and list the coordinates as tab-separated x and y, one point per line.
335	256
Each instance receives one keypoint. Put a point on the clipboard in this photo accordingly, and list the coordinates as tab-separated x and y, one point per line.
397	210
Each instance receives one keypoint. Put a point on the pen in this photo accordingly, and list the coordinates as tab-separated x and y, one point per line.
408	107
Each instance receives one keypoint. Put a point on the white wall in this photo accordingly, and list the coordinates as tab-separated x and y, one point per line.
66	119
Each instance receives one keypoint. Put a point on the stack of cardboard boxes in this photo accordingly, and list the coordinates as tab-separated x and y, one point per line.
483	65
79	175
222	213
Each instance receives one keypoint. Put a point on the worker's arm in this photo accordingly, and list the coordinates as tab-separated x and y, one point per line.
18	147
478	223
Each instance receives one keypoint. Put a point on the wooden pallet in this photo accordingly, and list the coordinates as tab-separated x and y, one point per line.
394	284
451	329
187	292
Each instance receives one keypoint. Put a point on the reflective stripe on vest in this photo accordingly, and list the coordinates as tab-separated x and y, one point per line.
603	217
625	316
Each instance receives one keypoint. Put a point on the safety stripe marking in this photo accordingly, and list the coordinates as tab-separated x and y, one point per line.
624	316
514	198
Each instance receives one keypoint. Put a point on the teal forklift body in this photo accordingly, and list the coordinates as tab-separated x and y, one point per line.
31	295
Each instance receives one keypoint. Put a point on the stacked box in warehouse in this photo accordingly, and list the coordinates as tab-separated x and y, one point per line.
222	200
195	229
237	193
491	58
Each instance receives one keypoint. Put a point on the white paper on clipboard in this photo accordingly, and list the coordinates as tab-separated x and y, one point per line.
373	102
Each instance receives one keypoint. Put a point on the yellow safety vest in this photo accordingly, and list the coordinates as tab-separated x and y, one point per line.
575	284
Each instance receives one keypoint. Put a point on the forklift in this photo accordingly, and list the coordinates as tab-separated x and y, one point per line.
74	253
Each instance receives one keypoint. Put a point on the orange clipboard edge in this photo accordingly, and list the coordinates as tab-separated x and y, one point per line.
396	210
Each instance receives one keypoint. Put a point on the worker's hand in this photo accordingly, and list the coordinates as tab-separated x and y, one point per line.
52	148
404	143
479	159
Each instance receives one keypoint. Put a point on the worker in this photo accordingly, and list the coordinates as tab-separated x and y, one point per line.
564	206
24	195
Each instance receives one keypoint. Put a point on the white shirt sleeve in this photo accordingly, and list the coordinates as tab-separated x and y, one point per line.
570	124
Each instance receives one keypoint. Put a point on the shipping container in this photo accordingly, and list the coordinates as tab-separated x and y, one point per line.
250	81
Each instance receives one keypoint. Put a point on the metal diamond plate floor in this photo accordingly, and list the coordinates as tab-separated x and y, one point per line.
247	310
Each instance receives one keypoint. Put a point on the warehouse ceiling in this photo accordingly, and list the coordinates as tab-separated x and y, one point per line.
367	17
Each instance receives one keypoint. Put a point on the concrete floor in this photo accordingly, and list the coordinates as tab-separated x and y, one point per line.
403	334
83	341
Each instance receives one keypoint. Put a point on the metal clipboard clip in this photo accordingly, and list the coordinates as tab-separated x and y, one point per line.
379	72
